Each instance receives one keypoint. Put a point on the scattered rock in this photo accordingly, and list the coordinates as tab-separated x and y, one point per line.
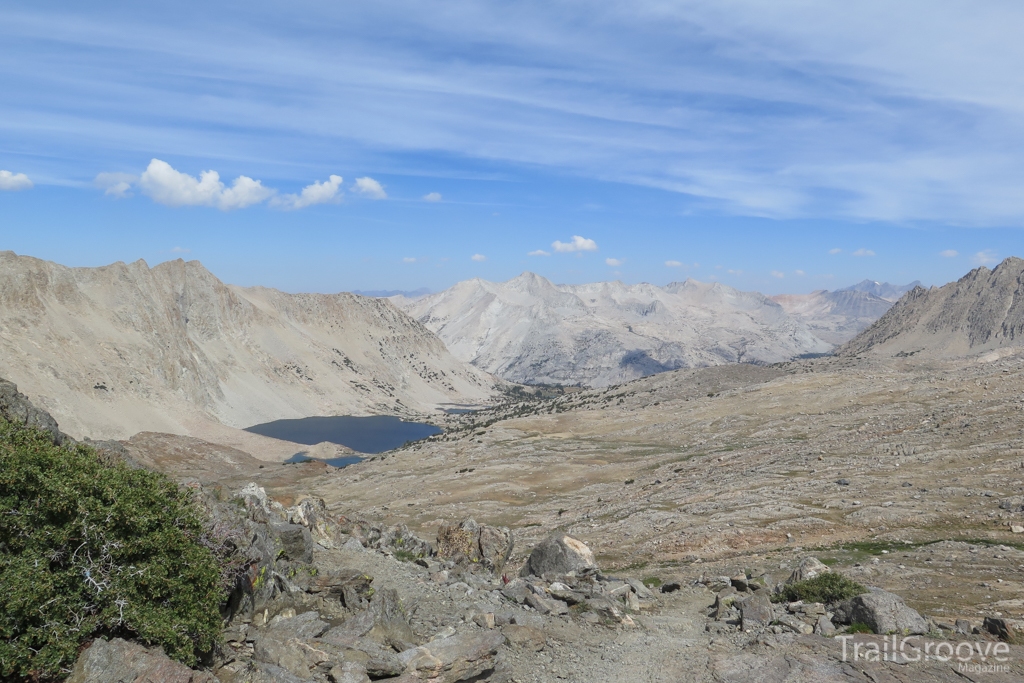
884	612
559	554
119	660
525	637
755	612
475	543
1000	628
808	568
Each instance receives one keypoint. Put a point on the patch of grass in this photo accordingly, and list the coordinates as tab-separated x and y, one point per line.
859	627
652	581
829	561
94	550
827	588
405	555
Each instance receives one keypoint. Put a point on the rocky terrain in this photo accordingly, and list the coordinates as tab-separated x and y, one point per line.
126	348
530	330
671	528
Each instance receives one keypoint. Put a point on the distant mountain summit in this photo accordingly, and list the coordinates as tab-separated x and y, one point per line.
840	315
882	290
531	330
980	311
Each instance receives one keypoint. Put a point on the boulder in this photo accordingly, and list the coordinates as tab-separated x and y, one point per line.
462	657
525	637
755	612
808	568
348	672
119	660
280	652
15	407
1000	628
383	621
559	554
469	542
302	627
312	513
294	541
884	612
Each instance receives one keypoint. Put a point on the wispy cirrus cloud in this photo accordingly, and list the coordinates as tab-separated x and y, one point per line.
838	117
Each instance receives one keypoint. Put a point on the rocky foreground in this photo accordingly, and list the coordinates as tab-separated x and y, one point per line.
334	600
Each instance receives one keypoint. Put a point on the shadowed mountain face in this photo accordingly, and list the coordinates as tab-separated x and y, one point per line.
531	330
984	310
125	348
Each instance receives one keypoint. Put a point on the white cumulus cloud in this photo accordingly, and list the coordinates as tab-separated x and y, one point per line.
949	253
674	264
118	185
613	262
799	272
778	274
316	193
164	185
370	188
432	197
734	271
837	250
578	244
986	257
478	257
538	252
12	182
180	250
863	252
409	259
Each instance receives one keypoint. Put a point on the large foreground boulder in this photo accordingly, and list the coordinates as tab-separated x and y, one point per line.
119	660
559	554
884	612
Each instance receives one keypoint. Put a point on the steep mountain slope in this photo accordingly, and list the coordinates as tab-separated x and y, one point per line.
835	317
530	330
980	311
125	348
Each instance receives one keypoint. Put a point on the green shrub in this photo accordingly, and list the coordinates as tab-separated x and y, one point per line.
859	627
94	550
829	587
652	582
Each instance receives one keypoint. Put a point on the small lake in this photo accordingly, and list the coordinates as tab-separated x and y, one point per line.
373	434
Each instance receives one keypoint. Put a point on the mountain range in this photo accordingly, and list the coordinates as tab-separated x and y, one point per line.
124	348
532	331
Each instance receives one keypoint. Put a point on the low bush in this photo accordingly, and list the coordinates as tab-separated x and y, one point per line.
93	550
827	588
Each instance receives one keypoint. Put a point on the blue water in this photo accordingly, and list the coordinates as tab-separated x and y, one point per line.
374	434
333	462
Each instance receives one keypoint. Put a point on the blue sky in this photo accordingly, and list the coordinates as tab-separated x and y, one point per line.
783	147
